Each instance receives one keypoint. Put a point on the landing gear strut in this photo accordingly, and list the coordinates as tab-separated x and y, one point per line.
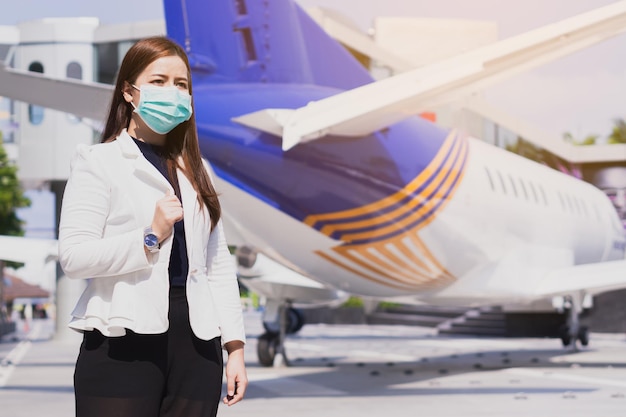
572	331
279	320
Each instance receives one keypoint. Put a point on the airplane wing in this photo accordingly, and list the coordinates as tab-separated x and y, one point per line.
554	144
27	250
589	279
83	99
377	105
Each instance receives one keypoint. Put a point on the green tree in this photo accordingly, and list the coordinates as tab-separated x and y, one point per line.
588	140
11	196
618	135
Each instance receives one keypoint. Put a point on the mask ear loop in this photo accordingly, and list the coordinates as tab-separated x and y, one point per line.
131	97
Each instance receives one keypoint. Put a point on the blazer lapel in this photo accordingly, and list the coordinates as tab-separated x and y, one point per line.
189	202
143	169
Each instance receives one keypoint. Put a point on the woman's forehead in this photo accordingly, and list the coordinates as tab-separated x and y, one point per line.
172	66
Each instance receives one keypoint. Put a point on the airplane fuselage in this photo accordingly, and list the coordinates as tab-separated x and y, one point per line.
412	209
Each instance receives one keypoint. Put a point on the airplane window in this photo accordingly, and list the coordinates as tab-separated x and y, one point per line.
595	209
502	182
576	206
579	206
513	185
532	188
583	205
618	199
561	200
523	187
35	113
490	179
543	195
570	206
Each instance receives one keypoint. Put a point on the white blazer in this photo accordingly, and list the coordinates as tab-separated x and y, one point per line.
109	200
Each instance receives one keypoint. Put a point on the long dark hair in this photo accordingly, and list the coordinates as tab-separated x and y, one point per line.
183	139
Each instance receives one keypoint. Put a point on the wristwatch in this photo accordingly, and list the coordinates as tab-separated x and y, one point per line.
150	240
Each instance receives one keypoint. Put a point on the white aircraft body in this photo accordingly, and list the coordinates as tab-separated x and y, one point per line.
510	226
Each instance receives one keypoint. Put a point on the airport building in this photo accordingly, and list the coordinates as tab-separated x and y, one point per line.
41	140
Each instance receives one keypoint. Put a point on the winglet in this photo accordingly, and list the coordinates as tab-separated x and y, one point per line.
272	121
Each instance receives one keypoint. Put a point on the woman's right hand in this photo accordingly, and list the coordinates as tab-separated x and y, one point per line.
168	210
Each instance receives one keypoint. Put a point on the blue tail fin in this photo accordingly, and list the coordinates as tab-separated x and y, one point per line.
271	41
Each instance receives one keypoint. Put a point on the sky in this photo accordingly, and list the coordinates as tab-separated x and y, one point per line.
581	94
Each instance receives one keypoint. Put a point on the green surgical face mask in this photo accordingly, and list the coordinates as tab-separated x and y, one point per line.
163	108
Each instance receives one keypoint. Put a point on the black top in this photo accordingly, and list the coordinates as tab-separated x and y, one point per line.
179	262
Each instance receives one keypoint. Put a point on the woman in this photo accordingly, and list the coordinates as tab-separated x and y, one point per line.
141	222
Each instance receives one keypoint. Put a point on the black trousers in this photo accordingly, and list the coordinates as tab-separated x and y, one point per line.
164	375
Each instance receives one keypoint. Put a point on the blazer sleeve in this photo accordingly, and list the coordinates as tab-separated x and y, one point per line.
84	252
224	287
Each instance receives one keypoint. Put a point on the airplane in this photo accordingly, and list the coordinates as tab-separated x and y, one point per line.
333	184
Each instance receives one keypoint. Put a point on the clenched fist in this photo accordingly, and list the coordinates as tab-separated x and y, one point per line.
168	210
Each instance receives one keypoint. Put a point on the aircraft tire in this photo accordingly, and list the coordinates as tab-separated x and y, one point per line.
564	335
296	321
266	348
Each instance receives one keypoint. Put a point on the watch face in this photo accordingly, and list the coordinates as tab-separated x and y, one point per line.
150	240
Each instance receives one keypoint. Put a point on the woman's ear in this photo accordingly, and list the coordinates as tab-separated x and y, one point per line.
127	92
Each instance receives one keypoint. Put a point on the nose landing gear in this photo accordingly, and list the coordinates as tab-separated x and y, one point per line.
279	320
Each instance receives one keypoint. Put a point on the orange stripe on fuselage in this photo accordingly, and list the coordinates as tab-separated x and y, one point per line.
423	197
411	187
451	180
393	255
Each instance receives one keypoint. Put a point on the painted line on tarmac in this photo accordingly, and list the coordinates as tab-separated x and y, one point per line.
35	333
306	346
588	380
353	353
382	356
288	386
7	366
14	357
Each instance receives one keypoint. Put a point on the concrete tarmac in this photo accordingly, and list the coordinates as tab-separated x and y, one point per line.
350	370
